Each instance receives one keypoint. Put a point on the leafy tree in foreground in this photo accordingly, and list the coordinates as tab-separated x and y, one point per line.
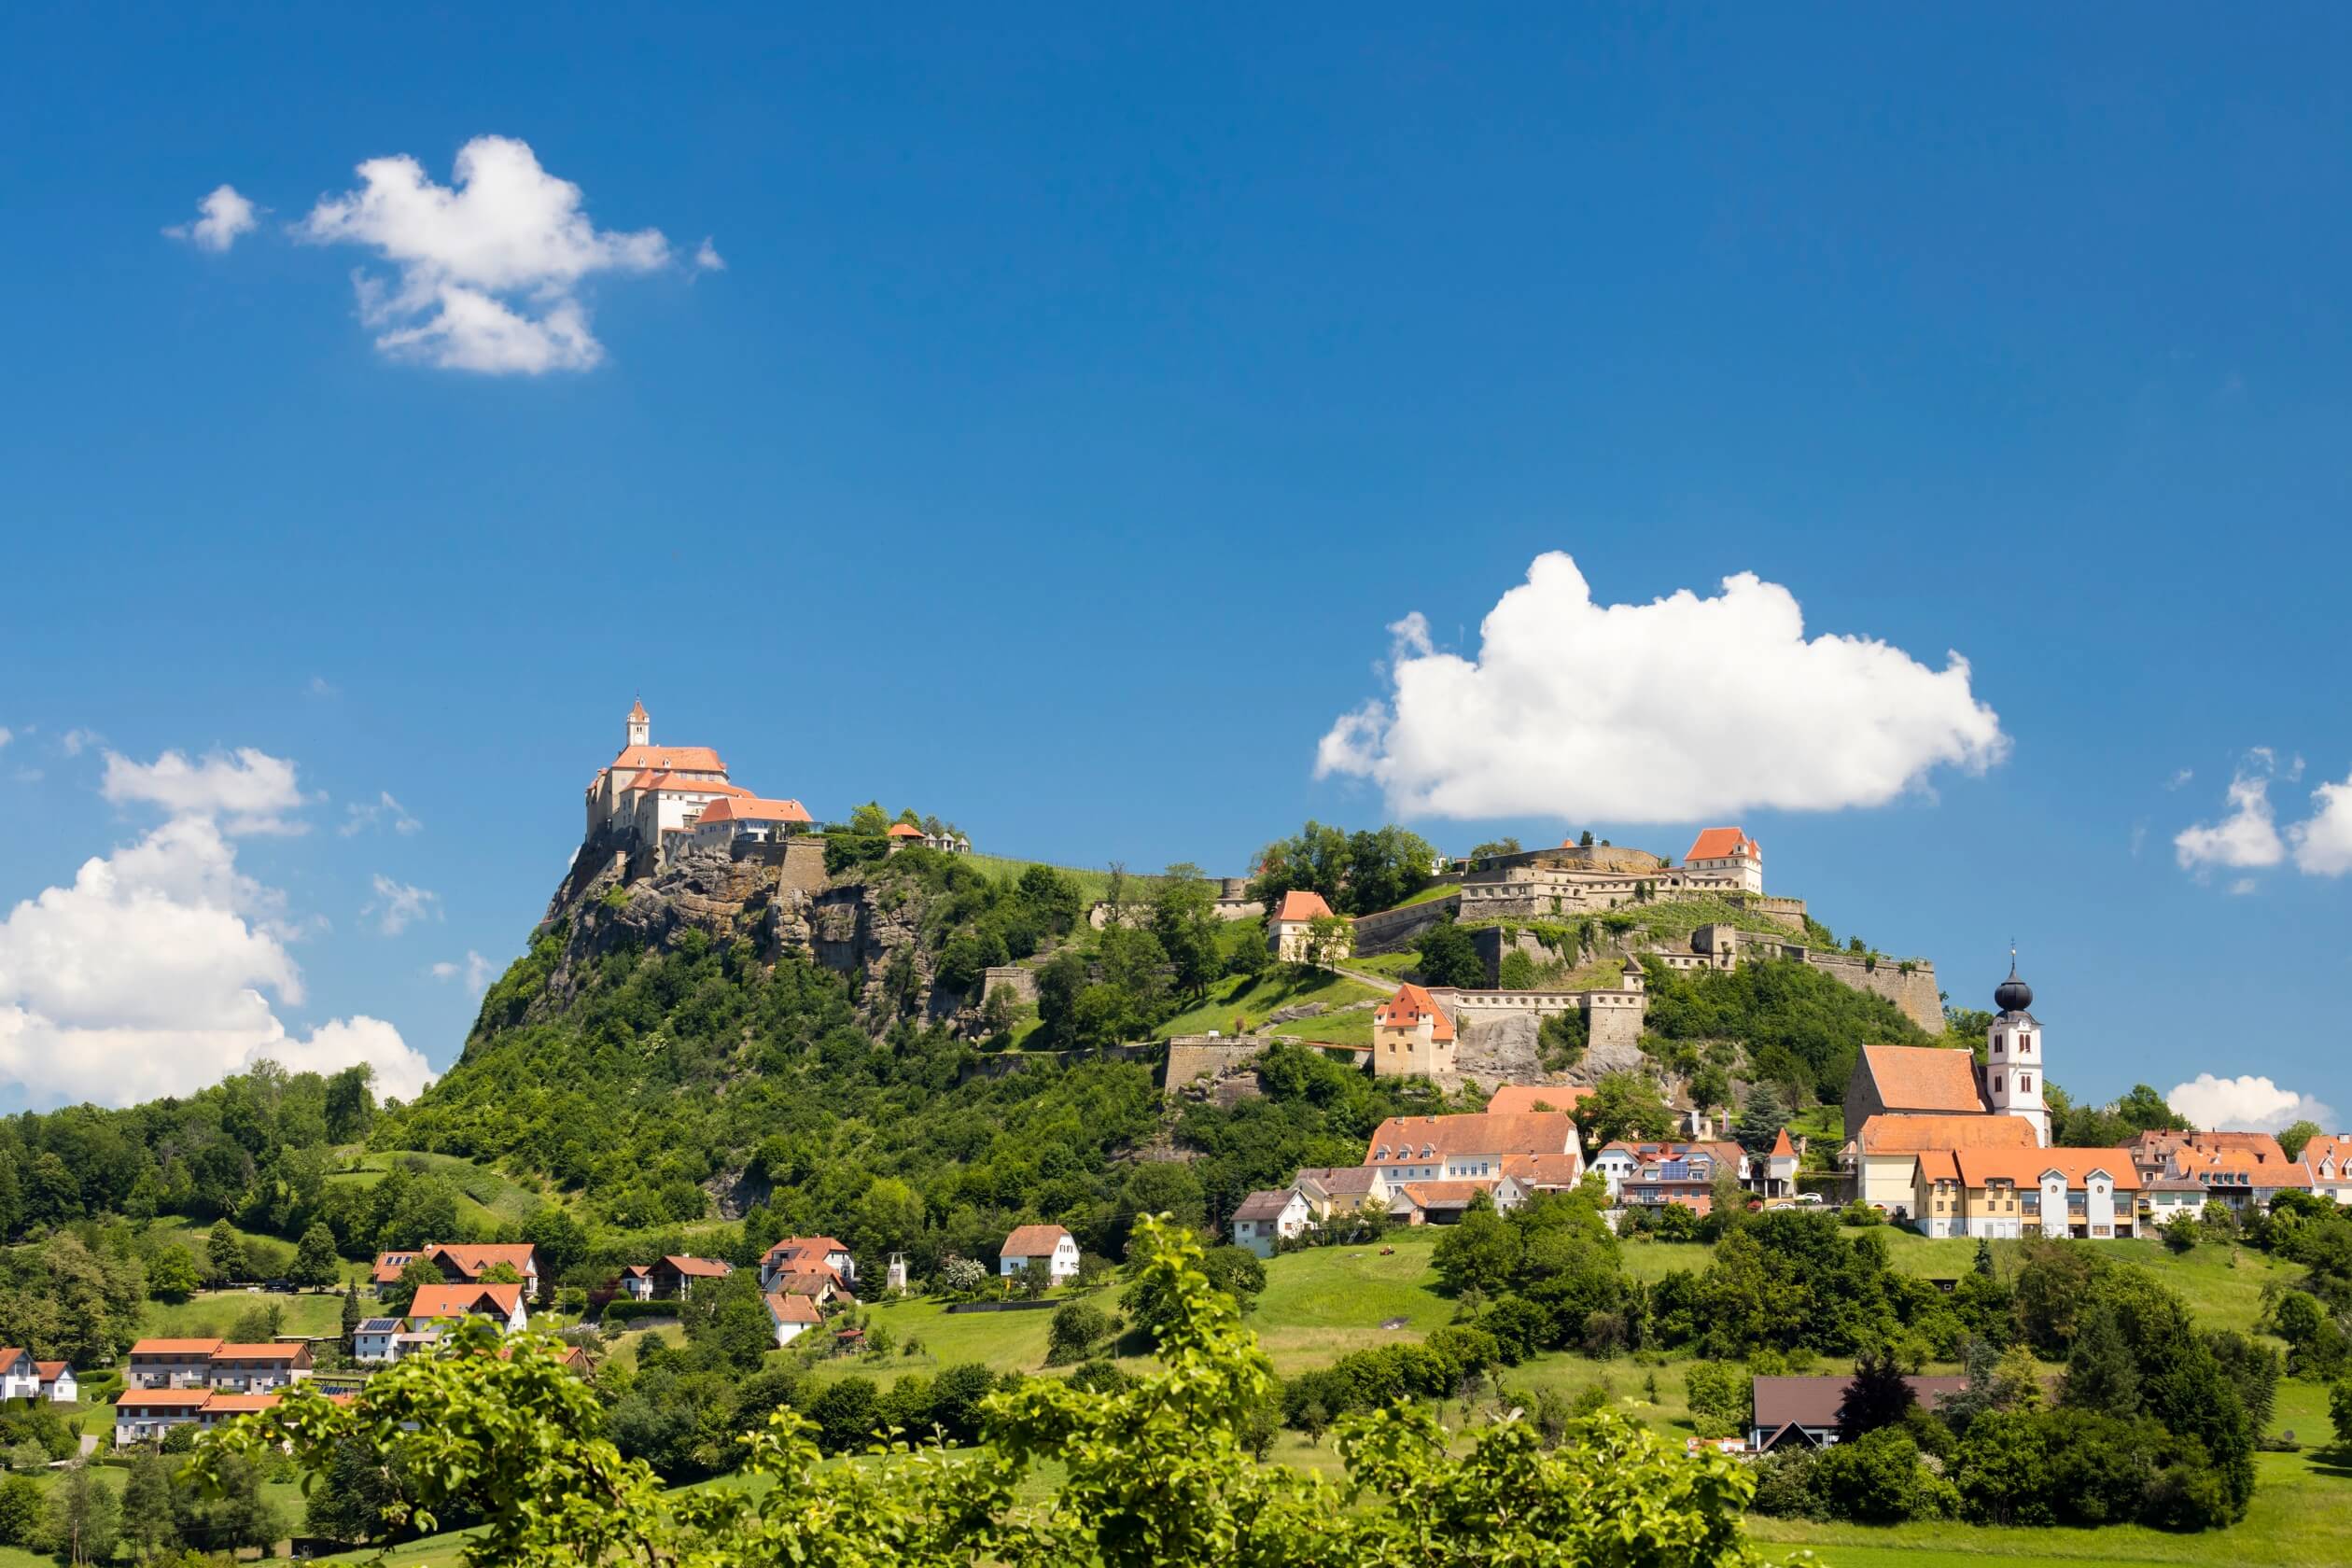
1153	1473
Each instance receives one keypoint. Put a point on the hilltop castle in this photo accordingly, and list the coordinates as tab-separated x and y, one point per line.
653	800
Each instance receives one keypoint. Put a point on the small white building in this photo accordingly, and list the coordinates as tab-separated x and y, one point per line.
791	1315
1728	854
58	1384
636	1282
746	819
374	1341
1287	932
19	1379
1266	1218
1050	1244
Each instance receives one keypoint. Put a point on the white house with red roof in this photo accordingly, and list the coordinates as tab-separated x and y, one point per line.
1287	932
1728	854
805	1254
1048	1243
748	819
614	795
1475	1147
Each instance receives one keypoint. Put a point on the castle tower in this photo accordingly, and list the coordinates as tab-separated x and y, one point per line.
640	725
2013	1067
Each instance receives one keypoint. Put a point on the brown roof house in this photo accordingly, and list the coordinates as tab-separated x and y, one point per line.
1051	1244
674	1277
1805	1411
1267	1219
1342	1189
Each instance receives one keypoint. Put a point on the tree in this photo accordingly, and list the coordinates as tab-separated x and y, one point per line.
869	821
1720	1396
1326	942
1001	1011
1761	1120
1446	955
225	1251
351	1106
21	1504
1480	1254
1984	1258
2101	1372
1878	1397
2340	1411
1184	919
2295	1136
1077	1329
1623	1105
84	1520
352	1316
1494	846
314	1262
415	1275
172	1273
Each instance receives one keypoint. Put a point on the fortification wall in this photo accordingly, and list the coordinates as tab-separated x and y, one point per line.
1612	1017
1194	1058
1022	981
1393	931
1916	993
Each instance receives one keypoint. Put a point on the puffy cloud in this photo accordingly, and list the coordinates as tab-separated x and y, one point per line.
477	972
250	791
707	257
486	267
1682	708
226	215
2246	836
359	817
398	906
2323	845
147	977
2246	1103
78	741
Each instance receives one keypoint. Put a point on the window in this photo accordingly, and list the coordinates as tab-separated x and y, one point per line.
1996	1086
2024	1083
1997	1044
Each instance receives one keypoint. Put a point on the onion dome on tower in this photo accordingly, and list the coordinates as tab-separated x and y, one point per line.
2012	994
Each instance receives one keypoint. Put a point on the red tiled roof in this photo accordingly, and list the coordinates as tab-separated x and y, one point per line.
1300	904
811	1282
1514	1099
793	1310
1401	1139
904	830
697	1267
49	1370
637	711
2024	1167
175	1347
663	759
1783	1149
388	1265
262	1352
1909	1135
472	1260
456	1301
239	1404
1409	1007
1721	844
136	1400
1032	1240
751	809
1442	1195
1923	1078
1544	1170
656	783
817	1246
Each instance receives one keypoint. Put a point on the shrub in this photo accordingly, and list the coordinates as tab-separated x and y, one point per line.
1077	1329
1719	1396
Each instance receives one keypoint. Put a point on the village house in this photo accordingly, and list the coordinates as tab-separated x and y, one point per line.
673	1278
144	1415
1514	1099
500	1303
792	1316
374	1338
1651	1174
2166	1199
1530	1174
258	1368
1287	932
1806	1412
170	1364
2011	1192
1048	1243
1418	1203
1267	1219
1882	1163
1413	1037
803	1255
1463	1148
58	1384
2329	1157
1775	1174
1342	1190
905	835
20	1377
461	1263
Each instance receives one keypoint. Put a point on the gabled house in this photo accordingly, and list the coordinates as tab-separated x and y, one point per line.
170	1364
673	1278
791	1315
1649	1174
1883	1156
2011	1192
144	1415
802	1254
462	1263
1464	1148
258	1368
500	1303
636	1282
58	1385
2329	1157
1288	930
1775	1174
1517	1099
376	1339
1913	1081
1728	854
1342	1190
1804	1411
1412	1036
20	1377
1049	1243
1445	1202
1266	1218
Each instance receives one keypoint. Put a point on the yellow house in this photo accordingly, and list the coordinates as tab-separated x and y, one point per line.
1411	1036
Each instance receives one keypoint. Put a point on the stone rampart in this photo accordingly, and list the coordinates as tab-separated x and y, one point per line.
1916	992
1393	931
1022	981
1193	1058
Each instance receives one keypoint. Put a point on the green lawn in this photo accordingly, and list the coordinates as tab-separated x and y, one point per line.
1093	886
1396	966
1253	1000
1429	894
208	1314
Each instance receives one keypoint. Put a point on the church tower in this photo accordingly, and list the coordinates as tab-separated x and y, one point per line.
640	725
2012	1069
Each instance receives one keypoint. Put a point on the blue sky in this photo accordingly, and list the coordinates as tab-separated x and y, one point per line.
1079	403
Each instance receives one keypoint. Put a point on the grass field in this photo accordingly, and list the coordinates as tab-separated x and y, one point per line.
1251	999
208	1314
486	1198
1093	886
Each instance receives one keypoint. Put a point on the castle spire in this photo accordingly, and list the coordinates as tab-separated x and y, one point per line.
640	724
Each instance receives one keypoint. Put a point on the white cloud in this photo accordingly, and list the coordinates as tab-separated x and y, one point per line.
358	818
486	267
2246	837
147	977
707	257
2323	845
2247	1104
75	742
1680	709
476	971
227	215
6	735
2180	777
251	790
398	906
2243	885
319	686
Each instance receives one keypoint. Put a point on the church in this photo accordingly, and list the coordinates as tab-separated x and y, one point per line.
1929	1080
649	797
